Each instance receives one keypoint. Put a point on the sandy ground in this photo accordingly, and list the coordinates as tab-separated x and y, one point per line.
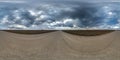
59	45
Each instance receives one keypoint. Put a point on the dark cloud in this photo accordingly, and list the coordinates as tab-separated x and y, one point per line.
60	16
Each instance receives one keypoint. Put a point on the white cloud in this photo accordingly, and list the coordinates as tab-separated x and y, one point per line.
54	16
60	0
13	1
80	0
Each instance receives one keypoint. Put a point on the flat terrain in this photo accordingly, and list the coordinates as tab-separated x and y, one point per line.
59	45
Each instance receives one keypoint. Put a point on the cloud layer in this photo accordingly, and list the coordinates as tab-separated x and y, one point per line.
54	16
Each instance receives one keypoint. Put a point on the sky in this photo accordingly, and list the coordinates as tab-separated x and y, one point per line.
13	1
60	0
46	16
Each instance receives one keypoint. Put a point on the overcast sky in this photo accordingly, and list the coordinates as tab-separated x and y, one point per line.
63	0
13	1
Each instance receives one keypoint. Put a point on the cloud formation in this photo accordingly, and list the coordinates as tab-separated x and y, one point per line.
52	16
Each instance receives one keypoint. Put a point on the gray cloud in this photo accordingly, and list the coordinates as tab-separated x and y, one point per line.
63	16
39	1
